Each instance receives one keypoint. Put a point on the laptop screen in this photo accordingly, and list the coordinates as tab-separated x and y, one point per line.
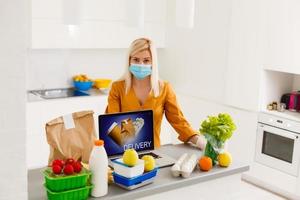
121	131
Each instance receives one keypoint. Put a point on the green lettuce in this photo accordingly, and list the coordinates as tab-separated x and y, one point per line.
219	127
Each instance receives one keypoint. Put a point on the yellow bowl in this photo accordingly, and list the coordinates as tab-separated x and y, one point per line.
102	83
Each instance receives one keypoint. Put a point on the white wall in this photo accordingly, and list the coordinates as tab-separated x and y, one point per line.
14	32
242	143
198	63
198	55
296	82
245	54
220	57
274	84
54	68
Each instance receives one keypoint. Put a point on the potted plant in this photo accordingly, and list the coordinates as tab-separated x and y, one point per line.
217	129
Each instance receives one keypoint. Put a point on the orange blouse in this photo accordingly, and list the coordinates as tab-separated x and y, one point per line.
166	102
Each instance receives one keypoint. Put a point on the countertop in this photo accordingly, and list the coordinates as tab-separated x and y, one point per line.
163	182
290	115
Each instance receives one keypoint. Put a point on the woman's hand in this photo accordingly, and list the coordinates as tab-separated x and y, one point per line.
199	141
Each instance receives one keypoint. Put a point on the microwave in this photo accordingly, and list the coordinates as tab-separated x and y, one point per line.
278	144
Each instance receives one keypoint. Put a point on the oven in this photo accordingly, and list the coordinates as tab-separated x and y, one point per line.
277	143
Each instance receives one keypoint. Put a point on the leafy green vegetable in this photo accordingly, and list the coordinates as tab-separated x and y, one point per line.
210	152
220	127
216	129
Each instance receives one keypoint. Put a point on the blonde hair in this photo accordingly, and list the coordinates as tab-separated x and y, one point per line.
136	46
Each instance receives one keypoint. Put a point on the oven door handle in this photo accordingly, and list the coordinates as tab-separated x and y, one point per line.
277	131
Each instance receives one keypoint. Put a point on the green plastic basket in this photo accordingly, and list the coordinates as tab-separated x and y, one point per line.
75	194
58	183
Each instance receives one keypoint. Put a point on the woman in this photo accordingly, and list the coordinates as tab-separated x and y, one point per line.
141	89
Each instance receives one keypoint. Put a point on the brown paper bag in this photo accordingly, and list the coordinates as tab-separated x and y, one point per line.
69	140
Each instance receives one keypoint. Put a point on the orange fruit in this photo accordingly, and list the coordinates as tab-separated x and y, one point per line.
205	163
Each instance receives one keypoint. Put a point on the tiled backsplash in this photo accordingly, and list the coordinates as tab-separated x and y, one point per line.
55	68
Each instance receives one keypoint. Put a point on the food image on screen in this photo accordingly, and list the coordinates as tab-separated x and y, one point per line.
123	131
127	132
114	132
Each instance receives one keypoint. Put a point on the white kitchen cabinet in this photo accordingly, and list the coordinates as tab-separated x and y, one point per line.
41	112
282	35
195	59
264	34
102	25
244	50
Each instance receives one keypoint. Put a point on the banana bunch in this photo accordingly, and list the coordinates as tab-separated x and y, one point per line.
81	78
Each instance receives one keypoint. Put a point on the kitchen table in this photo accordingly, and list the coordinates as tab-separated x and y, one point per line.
163	182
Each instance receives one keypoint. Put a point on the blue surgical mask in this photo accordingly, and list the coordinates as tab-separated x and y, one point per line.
140	71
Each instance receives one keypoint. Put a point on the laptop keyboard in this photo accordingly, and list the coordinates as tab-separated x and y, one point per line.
150	154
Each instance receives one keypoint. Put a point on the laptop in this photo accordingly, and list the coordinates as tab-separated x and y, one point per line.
121	131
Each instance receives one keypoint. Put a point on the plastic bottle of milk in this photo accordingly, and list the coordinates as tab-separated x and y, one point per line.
98	165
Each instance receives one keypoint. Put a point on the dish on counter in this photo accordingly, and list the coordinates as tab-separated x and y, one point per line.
126	171
83	86
135	182
102	84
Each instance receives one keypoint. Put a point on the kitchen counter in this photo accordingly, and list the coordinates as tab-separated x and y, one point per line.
91	93
163	182
39	112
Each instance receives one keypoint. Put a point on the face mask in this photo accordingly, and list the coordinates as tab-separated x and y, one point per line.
140	71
